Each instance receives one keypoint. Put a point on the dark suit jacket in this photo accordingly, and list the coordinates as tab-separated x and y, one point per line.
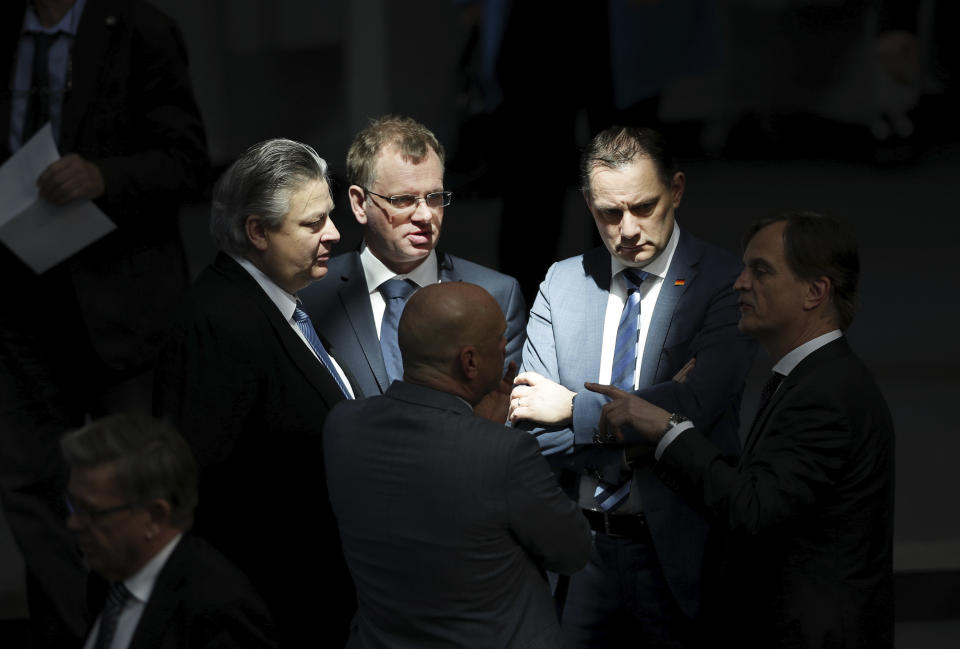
447	521
131	111
201	601
696	315
251	399
809	509
340	308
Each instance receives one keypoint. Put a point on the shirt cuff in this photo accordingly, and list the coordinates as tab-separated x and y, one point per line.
669	436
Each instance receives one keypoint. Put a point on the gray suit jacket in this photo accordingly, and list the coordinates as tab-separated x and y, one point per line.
340	310
447	522
696	315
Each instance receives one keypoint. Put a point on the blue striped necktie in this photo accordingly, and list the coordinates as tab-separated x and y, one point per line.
305	325
611	495
117	598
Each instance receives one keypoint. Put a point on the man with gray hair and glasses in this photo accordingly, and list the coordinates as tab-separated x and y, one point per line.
395	170
131	496
249	382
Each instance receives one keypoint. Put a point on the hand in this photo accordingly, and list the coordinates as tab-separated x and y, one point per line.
540	400
681	376
494	404
71	178
625	410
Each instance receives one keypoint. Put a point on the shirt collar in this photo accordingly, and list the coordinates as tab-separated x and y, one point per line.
140	584
67	24
376	272
658	267
792	358
286	302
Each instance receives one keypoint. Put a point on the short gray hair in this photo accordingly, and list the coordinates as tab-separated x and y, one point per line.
152	460
261	182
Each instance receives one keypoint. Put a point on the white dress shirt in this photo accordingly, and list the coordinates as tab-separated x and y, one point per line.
140	586
376	273
287	304
649	292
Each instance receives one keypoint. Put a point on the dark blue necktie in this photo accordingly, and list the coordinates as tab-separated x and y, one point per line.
306	328
38	104
395	293
610	495
117	598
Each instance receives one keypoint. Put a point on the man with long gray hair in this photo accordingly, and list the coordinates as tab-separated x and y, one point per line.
249	382
131	496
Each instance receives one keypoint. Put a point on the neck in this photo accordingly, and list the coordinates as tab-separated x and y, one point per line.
444	383
49	12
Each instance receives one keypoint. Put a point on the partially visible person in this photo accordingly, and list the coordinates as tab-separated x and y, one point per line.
448	520
248	381
634	313
395	170
111	77
131	497
809	506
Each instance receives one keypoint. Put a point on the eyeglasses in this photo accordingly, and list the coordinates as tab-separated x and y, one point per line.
406	201
91	514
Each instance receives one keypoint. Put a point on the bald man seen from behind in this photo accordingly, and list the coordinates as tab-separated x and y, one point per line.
448	520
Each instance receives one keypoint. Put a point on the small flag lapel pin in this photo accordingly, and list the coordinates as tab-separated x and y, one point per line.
680	282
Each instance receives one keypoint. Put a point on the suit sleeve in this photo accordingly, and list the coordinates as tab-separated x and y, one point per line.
544	521
797	461
167	156
723	359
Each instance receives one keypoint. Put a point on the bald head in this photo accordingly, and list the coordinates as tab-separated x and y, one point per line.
451	336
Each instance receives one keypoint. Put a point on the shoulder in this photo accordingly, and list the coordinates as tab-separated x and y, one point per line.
477	273
208	576
709	255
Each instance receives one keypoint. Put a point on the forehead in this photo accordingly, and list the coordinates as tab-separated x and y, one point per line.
637	179
393	174
310	197
767	244
95	484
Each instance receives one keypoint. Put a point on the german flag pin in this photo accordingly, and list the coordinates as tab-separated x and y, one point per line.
679	282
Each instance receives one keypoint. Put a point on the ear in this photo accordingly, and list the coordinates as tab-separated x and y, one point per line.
469	362
257	232
357	199
159	511
817	293
677	187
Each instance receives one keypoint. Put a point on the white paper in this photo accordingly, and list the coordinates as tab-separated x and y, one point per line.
38	232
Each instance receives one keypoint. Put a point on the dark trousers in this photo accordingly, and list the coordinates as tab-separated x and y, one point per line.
621	599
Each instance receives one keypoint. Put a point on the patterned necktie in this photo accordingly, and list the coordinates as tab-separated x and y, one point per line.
610	495
766	394
306	327
395	293
117	598
38	106
625	350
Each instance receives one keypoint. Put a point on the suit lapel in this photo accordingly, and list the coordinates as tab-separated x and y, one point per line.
594	297
296	350
448	273
355	299
95	36
11	19
809	364
681	273
155	622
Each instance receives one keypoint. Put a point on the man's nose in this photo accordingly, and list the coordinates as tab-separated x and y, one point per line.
629	226
740	284
421	212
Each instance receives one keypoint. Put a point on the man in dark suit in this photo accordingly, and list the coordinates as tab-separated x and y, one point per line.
634	313
448	519
79	338
395	170
131	496
247	380
809	507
